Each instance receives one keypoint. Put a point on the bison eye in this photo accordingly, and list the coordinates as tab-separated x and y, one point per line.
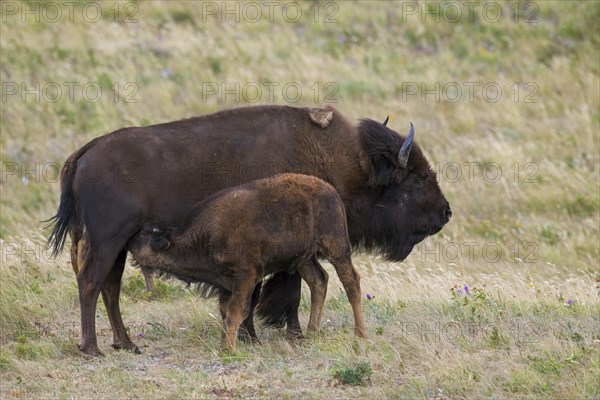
421	179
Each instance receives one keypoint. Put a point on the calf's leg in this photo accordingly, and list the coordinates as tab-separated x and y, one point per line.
147	272
315	276
224	297
247	333
351	281
237	309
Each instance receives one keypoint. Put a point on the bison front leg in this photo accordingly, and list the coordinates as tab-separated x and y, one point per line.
315	276
224	297
237	309
247	332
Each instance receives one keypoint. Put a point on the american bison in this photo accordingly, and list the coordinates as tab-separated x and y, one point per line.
117	183
234	238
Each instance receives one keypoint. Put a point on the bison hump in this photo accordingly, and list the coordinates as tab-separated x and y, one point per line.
321	117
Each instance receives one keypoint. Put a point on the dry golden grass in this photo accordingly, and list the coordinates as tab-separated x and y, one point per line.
529	326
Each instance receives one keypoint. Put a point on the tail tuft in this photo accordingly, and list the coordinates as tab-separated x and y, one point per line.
67	210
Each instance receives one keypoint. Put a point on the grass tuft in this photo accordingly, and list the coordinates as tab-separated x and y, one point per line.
355	374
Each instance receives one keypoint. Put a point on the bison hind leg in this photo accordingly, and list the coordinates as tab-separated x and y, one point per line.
315	276
110	294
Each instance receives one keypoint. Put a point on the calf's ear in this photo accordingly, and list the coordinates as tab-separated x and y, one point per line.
160	244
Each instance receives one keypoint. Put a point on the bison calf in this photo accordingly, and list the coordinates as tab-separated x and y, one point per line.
237	236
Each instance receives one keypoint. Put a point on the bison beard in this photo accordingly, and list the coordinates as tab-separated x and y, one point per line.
274	312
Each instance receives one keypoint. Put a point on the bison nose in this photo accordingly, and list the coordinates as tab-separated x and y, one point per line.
446	212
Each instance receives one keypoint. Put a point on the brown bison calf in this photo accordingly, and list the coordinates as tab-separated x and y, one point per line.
236	237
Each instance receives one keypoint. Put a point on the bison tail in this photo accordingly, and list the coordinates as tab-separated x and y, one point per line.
279	299
64	217
67	212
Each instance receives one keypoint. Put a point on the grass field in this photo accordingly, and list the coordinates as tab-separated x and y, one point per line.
503	303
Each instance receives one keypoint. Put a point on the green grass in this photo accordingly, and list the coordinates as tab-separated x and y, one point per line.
528	328
356	374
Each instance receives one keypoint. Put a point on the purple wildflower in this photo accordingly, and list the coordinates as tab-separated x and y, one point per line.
570	302
140	335
466	288
166	73
369	296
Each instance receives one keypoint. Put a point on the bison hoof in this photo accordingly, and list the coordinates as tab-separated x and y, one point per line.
293	336
361	333
128	347
227	348
249	339
91	350
313	330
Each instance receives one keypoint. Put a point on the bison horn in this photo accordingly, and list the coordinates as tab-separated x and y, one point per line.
386	120
405	150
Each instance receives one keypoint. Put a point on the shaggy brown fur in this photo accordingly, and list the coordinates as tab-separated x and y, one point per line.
118	183
238	236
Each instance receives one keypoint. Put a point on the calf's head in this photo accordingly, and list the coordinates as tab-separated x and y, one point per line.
403	203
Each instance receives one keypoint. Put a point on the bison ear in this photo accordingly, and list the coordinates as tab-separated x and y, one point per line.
379	159
321	117
386	120
160	244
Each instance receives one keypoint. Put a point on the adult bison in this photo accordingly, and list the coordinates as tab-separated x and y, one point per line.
117	183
